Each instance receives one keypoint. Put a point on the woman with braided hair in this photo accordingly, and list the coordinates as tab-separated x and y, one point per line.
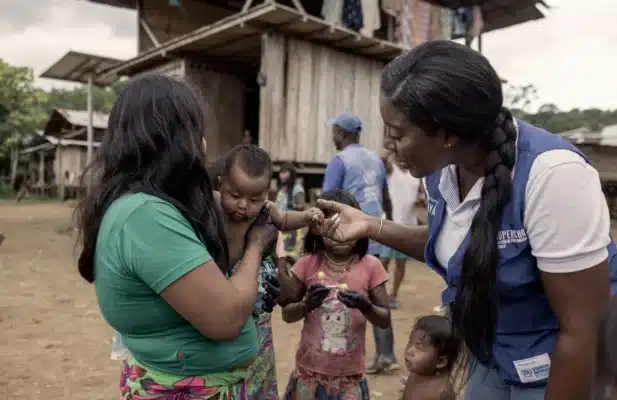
518	226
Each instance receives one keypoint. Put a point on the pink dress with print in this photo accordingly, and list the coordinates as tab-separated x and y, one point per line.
330	357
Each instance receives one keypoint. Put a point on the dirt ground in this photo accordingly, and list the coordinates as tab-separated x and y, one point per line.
54	343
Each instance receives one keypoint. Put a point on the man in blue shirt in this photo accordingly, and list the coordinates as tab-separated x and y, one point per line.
362	173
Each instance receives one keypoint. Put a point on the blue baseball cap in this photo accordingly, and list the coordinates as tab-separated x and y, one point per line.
348	122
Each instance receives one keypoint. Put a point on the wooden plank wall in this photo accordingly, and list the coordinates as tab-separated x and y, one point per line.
72	159
223	94
319	84
272	137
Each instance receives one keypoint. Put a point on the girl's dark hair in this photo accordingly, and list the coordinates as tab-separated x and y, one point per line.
443	86
606	361
314	243
439	330
153	145
253	160
289	167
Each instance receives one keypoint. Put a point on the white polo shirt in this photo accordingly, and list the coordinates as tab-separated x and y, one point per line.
566	216
403	188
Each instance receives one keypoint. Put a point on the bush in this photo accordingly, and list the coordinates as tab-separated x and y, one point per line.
6	192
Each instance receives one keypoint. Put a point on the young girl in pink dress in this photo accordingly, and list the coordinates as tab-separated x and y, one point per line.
343	288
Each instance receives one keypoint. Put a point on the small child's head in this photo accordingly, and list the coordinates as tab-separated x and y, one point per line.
244	181
316	244
606	360
287	174
432	348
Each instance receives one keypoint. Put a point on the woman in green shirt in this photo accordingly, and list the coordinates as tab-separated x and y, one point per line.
155	247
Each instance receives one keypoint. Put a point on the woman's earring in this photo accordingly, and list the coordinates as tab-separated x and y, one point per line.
448	145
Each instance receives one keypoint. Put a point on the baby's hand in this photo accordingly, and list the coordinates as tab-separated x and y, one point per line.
313	215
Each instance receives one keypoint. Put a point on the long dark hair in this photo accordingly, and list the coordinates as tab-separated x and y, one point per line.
291	182
444	86
314	244
153	145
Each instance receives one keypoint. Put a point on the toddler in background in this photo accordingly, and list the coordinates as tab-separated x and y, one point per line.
430	355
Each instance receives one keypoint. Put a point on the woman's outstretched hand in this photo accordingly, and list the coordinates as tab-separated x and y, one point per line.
345	223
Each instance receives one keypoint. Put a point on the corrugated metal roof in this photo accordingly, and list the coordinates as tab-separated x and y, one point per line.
47	142
77	67
499	14
80	118
606	137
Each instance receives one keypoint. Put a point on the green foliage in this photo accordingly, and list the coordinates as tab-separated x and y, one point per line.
24	108
550	117
520	97
21	105
559	121
77	98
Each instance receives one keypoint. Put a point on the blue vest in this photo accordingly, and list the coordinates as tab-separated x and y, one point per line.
365	177
526	326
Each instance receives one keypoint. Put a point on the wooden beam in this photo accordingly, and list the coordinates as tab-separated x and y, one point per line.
247	5
151	35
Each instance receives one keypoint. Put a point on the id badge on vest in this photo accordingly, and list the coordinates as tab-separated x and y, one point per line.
533	369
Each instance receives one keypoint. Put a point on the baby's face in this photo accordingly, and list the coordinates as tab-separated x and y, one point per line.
242	196
420	355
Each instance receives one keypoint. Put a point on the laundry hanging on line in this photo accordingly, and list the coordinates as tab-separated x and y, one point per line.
352	14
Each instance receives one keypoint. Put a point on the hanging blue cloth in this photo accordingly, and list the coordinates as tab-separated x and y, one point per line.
175	3
462	21
352	14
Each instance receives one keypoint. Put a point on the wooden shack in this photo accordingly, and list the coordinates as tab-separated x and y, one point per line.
601	149
56	156
277	69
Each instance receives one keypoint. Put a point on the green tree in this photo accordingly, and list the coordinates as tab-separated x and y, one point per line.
21	105
519	97
76	98
21	111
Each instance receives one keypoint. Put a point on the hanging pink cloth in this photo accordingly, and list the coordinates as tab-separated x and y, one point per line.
477	25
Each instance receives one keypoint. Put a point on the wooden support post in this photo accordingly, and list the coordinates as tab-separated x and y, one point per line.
247	5
299	6
90	149
297	3
14	163
480	42
59	172
41	180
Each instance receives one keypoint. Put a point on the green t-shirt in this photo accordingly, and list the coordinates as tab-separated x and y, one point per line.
144	245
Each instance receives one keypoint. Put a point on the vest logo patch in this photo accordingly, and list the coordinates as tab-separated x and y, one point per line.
510	236
533	369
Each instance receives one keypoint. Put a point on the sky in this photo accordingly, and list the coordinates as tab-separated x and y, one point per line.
570	56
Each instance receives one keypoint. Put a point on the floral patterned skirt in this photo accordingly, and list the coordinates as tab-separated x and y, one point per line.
261	379
141	383
306	385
